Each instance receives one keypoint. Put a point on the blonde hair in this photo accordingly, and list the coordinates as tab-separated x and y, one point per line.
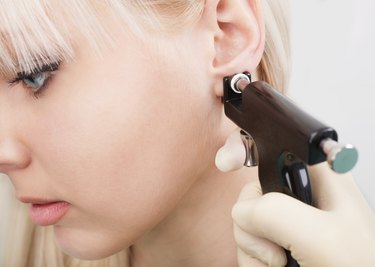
23	49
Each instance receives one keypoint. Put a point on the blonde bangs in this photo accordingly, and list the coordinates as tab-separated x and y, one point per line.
33	34
39	32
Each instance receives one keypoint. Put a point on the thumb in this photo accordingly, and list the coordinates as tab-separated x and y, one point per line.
332	191
280	219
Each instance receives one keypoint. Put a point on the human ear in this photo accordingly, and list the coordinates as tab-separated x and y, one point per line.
239	37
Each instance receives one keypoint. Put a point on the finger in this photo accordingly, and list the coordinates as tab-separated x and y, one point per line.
232	155
279	218
332	190
264	250
245	260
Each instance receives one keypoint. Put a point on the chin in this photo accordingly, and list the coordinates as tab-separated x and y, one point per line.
85	245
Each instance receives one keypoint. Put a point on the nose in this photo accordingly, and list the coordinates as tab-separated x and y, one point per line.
13	155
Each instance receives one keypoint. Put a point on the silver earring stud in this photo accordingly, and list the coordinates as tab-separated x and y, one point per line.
238	82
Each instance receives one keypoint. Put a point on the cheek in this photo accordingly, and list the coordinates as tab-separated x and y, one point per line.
122	154
118	142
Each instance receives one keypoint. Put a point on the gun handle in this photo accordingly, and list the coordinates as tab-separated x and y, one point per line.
291	261
296	179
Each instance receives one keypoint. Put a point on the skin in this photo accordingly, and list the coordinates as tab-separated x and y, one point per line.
129	139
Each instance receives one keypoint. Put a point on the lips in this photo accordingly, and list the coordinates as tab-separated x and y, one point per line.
48	213
45	211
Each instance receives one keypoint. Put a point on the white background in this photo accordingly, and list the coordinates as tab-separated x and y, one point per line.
333	78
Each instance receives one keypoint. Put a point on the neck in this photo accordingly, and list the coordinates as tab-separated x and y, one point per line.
199	231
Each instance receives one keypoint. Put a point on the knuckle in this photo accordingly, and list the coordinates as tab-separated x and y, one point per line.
242	213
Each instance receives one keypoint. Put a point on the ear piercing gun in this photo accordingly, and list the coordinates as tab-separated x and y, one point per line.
340	157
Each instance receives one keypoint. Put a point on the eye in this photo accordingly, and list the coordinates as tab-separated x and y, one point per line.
37	80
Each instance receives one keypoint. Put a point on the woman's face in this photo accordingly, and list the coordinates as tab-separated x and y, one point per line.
120	137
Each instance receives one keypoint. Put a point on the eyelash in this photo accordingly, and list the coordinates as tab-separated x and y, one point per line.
47	69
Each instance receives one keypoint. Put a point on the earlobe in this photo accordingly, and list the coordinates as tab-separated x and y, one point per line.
240	37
